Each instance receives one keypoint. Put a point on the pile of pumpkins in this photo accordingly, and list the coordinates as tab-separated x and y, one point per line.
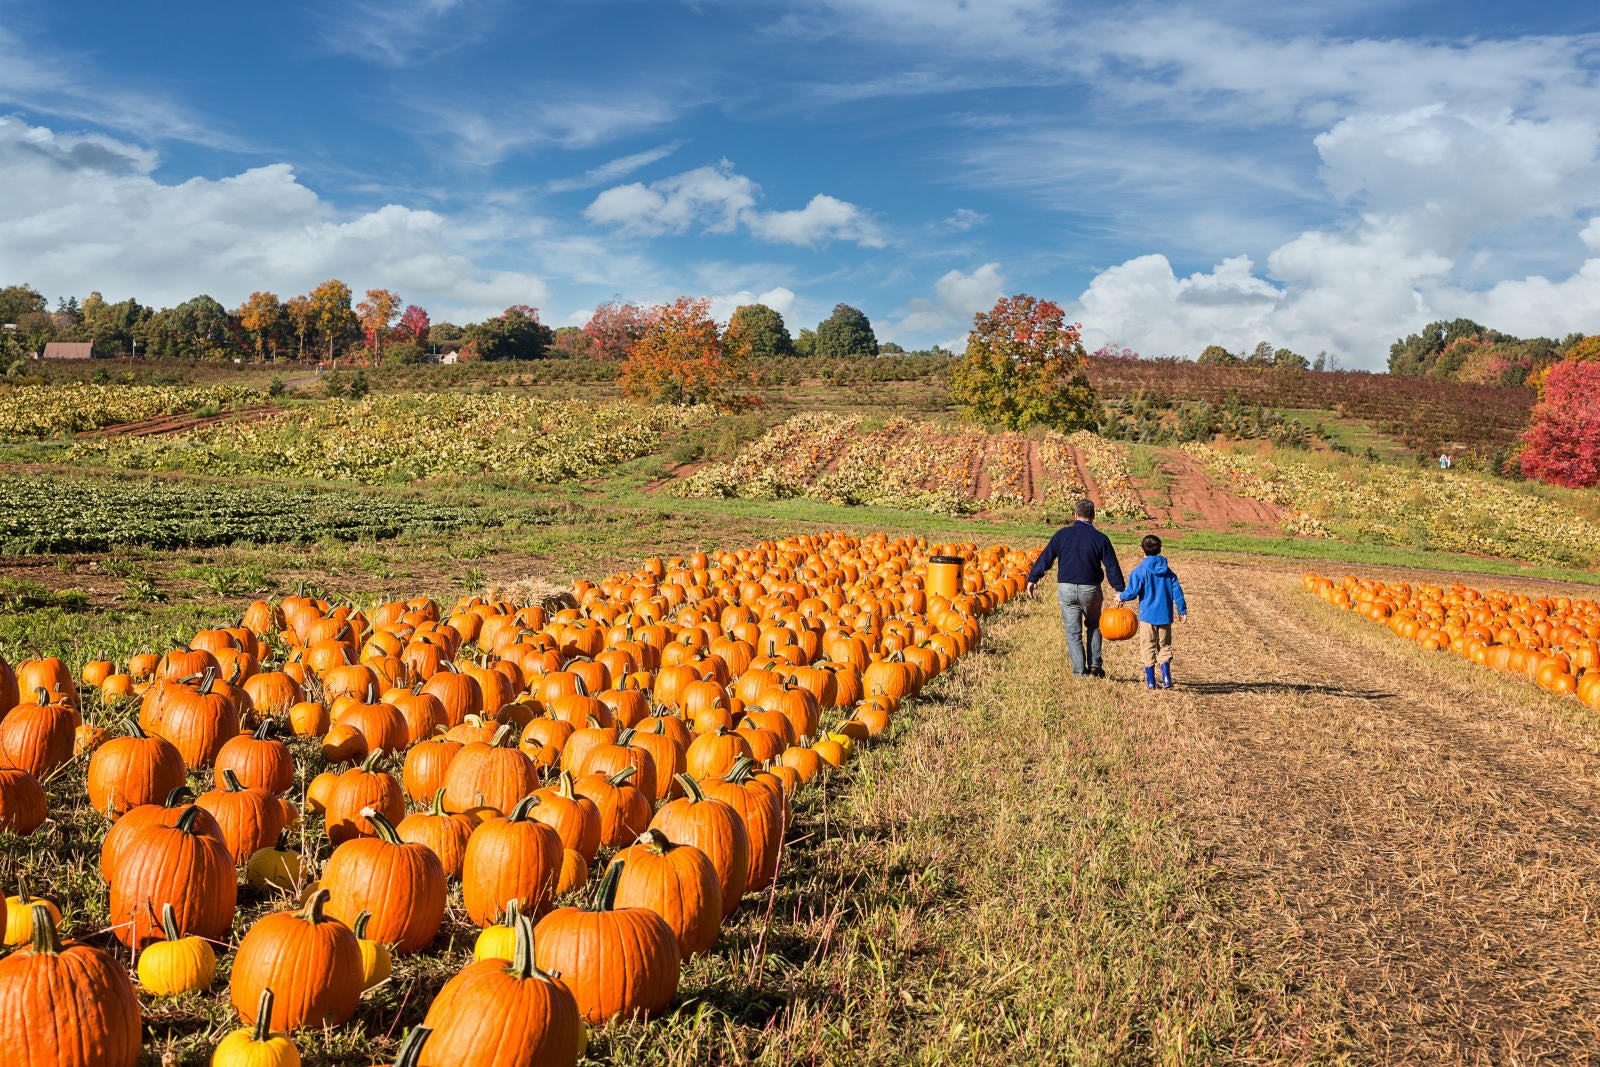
668	713
1553	641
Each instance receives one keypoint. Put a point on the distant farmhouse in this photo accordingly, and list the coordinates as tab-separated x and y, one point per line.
69	350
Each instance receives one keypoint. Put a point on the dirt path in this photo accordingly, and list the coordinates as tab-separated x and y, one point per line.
1410	842
179	423
1191	500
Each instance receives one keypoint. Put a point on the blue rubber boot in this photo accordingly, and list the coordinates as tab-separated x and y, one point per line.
1149	677
1166	676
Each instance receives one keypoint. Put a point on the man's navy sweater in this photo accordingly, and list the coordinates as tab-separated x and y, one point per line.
1082	551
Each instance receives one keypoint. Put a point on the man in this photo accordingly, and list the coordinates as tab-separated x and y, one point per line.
1084	558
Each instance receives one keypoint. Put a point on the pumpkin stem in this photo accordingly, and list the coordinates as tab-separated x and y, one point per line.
46	941
382	826
622	775
524	806
410	1054
625	735
169	922
360	928
740	773
22	891
512	913
656	841
437	809
372	758
178	795
605	895
500	736
186	820
690	787
207	680
263	1029
265	731
312	912
577	681
232	781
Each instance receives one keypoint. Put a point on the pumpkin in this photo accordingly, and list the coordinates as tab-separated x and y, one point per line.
51	675
274	868
126	772
543	740
457	693
196	721
422	712
38	737
624	808
427	763
381	724
678	883
574	872
493	775
251	819
515	856
1118	624
575	819
504	1013
400	883
177	965
273	693
763	815
320	790
181	865
309	719
175	805
716	829
19	915
499	941
258	760
257	1045
359	788
9	693
312	964
66	1005
714	754
609	758
376	963
616	961
445	833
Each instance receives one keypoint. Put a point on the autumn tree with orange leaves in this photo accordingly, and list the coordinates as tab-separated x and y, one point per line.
1025	366
683	358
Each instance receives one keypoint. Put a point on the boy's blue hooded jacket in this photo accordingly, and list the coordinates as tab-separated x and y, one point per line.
1155	586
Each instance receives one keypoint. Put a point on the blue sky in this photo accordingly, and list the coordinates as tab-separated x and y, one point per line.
1324	176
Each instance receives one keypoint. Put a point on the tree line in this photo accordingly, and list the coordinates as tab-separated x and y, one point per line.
1462	350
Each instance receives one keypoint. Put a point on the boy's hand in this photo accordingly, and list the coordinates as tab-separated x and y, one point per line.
1031	587
1181	618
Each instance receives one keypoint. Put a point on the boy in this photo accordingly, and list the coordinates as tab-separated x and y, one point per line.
1155	586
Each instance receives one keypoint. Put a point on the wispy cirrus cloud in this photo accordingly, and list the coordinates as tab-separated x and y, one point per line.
397	33
614	170
481	135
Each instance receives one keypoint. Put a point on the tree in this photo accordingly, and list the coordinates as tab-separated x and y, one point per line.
1114	350
762	330
682	358
1218	355
1417	354
846	334
1025	366
112	327
1287	359
330	305
1261	355
263	316
376	312
414	325
805	343
613	329
19	300
199	328
302	319
1579	349
516	333
571	343
1562	444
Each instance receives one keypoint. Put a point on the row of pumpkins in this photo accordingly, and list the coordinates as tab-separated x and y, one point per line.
1553	641
668	713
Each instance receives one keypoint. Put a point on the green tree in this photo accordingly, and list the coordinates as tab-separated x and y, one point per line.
1216	354
517	333
1025	366
19	300
1418	353
846	334
805	344
330	307
1287	359
761	329
112	327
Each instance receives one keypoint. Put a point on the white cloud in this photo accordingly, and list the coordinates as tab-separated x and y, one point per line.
86	211
717	199
393	33
957	296
780	299
481	135
963	219
615	169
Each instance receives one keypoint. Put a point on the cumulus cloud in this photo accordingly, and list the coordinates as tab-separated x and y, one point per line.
85	209
963	219
957	296
717	199
780	299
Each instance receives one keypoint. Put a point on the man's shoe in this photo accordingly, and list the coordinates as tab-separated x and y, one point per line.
1166	676
1149	677
1097	672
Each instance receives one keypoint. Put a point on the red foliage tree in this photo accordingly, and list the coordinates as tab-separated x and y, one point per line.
613	329
414	325
1562	445
682	358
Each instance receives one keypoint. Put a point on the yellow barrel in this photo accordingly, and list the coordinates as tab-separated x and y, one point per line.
944	576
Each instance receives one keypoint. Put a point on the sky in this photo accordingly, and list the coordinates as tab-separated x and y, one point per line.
1322	176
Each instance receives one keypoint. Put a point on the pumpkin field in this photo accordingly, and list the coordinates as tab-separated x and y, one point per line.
498	720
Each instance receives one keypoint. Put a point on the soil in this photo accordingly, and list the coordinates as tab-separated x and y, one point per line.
179	423
1191	500
1036	484
1406	839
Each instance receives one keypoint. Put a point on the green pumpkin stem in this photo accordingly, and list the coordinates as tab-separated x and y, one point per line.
741	770
179	795
186	821
360	928
207	680
564	785
312	912
501	736
410	1054
622	775
524	806
134	729
169	922
46	940
382	827
265	731
263	1028
437	808
605	894
41	695
690	787
656	841
232	781
372	760
625	735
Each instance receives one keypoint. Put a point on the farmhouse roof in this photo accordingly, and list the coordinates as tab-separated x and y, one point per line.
69	350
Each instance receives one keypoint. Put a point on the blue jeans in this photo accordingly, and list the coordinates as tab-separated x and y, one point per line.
1080	607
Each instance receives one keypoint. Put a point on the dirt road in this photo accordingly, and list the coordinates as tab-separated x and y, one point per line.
1412	843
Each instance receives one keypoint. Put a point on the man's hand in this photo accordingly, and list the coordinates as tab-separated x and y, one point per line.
1031	587
1182	618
